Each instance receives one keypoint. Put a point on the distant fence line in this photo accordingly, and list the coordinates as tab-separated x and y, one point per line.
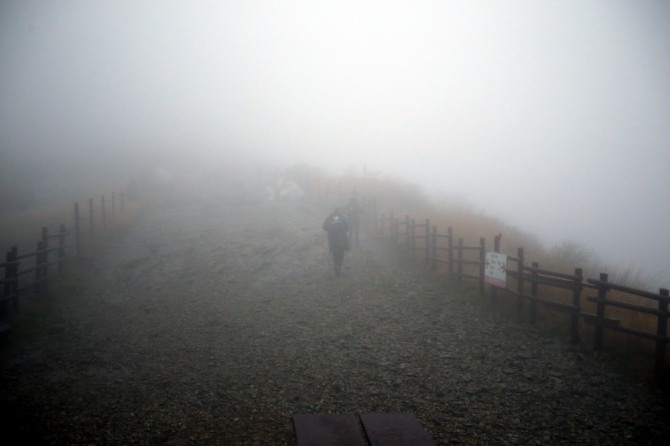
420	239
27	274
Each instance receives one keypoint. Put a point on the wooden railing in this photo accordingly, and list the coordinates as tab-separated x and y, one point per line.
24	274
28	273
97	221
463	261
601	321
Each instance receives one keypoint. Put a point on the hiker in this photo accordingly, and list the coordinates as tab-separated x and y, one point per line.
354	211
337	226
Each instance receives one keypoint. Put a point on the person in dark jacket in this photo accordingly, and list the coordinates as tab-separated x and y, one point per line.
337	227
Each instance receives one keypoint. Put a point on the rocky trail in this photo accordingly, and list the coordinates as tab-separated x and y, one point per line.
213	321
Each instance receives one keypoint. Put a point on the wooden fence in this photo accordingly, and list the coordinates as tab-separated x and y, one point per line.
534	285
25	274
34	276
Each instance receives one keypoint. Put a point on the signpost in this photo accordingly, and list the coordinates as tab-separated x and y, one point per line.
495	270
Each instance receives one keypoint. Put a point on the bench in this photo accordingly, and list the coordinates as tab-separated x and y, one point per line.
375	429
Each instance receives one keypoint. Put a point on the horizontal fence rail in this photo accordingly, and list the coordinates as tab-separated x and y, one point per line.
601	321
28	273
24	274
532	284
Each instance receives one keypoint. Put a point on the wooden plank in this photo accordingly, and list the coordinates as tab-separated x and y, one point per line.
5	328
328	430
395	429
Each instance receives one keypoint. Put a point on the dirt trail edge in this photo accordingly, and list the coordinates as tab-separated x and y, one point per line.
213	321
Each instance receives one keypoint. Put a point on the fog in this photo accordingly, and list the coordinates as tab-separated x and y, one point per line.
553	116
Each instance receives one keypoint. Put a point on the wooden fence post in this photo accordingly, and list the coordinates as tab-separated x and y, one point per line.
61	246
427	241
407	231
533	292
433	247
6	289
77	231
396	239
450	250
113	205
15	277
397	232
103	214
90	218
45	257
39	267
12	277
600	313
576	302
496	243
661	331
375	220
482	263
460	259
45	239
520	281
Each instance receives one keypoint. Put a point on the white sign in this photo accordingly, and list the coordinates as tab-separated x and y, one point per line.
495	269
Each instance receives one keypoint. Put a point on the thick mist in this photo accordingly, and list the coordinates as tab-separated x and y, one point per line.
552	116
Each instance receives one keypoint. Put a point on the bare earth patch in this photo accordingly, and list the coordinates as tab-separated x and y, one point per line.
213	321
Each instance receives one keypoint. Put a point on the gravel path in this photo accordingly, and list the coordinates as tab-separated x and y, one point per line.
212	322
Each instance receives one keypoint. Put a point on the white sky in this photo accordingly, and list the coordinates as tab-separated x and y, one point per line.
552	115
